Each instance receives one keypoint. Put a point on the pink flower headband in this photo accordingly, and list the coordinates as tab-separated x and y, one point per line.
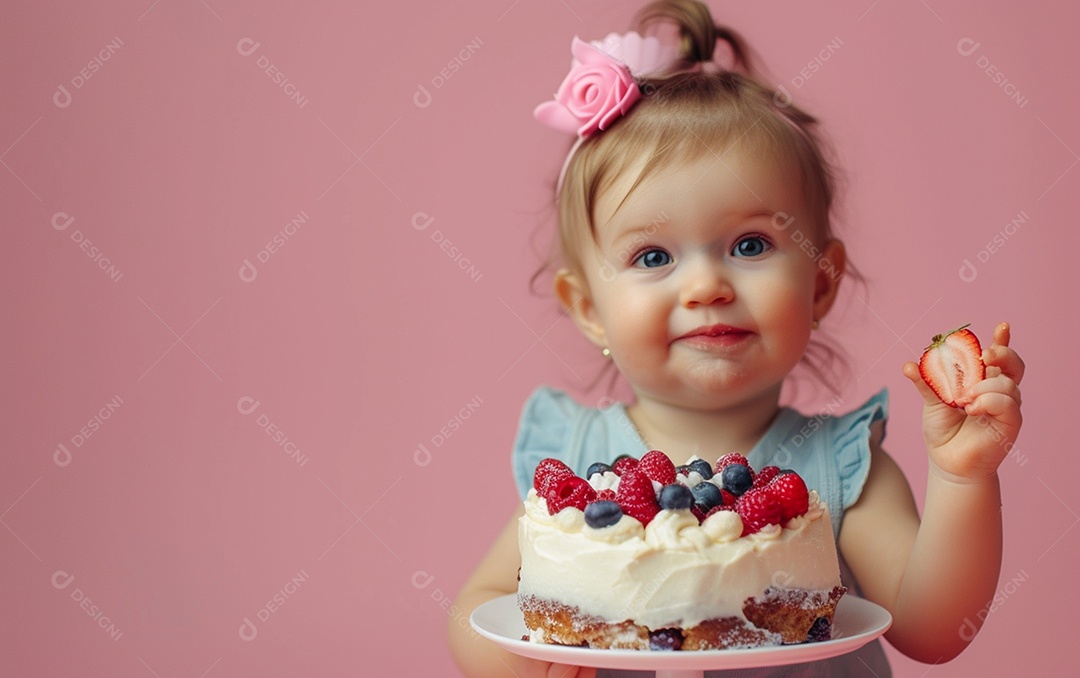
602	84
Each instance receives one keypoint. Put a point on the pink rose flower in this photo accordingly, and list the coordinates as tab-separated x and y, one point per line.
597	91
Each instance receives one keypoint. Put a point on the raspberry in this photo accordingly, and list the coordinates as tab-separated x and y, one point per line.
758	508
570	491
721	507
698	513
658	467
789	491
636	496
729	498
765	475
545	470
606	494
623	463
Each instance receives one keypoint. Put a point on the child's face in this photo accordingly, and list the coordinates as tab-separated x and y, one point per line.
704	283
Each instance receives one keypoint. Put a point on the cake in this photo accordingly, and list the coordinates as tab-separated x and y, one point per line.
643	555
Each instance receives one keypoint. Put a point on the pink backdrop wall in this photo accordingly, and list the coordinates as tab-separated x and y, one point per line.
263	259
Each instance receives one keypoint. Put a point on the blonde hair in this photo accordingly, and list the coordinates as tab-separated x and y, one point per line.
688	115
696	110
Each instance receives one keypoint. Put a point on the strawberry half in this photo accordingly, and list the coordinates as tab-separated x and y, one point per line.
951	364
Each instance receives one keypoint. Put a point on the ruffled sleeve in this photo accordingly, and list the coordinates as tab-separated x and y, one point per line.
851	437
544	431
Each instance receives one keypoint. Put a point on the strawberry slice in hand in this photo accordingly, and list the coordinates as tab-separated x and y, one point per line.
951	364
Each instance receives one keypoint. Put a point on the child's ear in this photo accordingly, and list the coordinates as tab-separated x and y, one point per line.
573	293
831	268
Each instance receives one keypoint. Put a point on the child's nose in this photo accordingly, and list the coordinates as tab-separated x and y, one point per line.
706	284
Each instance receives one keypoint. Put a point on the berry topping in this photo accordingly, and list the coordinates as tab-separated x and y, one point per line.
758	508
698	513
598	467
547	471
658	467
676	496
665	639
636	496
820	631
729	498
951	364
722	507
728	459
707	495
737	478
606	494
791	493
570	491
684	470
702	467
623	463
602	514
765	475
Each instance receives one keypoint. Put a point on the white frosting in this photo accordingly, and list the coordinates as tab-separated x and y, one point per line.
673	572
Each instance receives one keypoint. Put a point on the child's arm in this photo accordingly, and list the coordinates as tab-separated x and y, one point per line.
496	576
938	577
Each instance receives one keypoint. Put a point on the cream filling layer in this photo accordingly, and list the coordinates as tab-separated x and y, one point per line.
673	572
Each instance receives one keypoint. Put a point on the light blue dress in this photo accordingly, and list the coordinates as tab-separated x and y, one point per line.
831	453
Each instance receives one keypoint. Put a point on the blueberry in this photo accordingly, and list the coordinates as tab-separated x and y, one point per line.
602	514
736	478
598	467
706	496
665	640
702	467
820	631
676	496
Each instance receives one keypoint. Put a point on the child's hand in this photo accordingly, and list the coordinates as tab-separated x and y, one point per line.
970	443
562	671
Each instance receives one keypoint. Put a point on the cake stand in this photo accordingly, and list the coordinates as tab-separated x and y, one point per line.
856	623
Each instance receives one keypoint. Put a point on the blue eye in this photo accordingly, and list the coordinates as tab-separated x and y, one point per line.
652	259
751	246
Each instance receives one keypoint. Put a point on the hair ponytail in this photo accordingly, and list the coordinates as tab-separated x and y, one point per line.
697	32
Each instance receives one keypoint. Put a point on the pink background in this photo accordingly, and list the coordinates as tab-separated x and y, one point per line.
266	402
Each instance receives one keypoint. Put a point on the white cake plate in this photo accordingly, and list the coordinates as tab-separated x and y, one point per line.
856	623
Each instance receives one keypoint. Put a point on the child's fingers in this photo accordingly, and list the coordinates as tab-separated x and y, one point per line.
1002	334
911	371
998	406
1000	359
564	671
1001	384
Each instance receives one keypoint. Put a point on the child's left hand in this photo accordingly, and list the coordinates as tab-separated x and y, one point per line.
970	443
